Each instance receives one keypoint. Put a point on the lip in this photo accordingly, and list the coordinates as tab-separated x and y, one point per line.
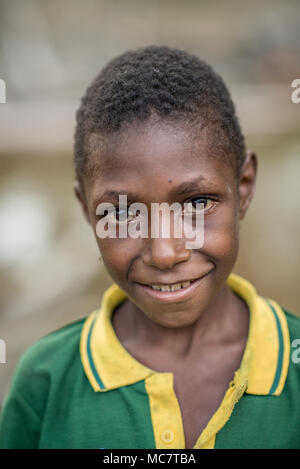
173	296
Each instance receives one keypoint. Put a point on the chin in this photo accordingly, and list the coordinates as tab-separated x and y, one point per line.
175	320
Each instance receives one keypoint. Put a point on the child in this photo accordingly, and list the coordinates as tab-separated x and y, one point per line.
182	353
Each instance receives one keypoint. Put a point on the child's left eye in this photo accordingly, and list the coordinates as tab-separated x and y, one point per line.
198	204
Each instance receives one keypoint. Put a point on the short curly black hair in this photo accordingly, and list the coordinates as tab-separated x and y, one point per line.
171	83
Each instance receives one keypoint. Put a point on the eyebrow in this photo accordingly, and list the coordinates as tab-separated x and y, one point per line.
188	186
114	196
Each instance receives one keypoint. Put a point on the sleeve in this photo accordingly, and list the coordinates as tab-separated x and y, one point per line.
22	413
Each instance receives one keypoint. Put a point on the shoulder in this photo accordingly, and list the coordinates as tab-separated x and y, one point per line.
48	358
43	370
56	344
293	322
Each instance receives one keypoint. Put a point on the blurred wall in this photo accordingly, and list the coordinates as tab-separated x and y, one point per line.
49	52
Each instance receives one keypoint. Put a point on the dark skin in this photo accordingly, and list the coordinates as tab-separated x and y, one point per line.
200	339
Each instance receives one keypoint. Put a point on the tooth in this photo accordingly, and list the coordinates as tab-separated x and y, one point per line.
186	284
165	288
176	286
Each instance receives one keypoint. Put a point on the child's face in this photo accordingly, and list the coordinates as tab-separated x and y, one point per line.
152	163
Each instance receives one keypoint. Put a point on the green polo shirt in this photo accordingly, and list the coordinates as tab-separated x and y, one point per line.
78	387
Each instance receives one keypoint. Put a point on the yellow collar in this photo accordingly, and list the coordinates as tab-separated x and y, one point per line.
263	369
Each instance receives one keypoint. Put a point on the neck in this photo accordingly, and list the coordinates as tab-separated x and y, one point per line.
225	320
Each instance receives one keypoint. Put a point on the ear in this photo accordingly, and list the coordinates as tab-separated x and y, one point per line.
82	199
247	182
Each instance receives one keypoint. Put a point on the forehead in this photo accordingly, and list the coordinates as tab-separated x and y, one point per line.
155	157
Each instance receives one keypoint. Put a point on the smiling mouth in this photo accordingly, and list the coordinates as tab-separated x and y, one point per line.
173	292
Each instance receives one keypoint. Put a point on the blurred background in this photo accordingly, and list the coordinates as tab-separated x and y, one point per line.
49	52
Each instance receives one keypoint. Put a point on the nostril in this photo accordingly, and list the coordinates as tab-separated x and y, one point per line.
165	252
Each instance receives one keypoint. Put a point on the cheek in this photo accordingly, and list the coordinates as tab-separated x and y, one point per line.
117	255
221	236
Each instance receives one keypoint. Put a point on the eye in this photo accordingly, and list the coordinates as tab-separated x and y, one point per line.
199	204
122	216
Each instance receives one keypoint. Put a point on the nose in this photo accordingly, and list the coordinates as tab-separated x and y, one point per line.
165	253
